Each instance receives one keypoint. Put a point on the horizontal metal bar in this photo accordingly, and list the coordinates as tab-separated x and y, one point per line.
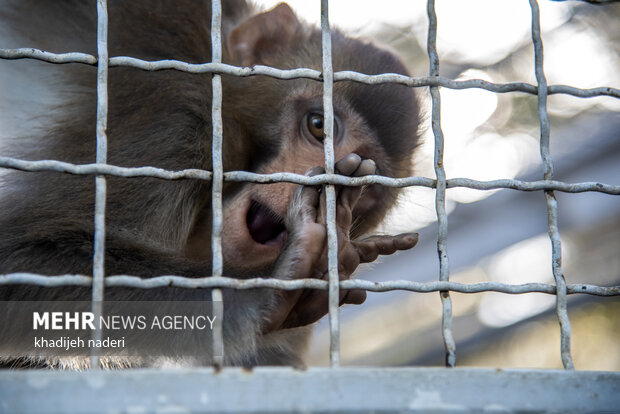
101	169
534	185
423	81
227	282
224	69
285	390
243	176
60	58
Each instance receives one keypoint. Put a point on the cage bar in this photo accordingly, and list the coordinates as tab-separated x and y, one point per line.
258	70
100	180
217	181
440	192
330	191
552	204
232	283
245	176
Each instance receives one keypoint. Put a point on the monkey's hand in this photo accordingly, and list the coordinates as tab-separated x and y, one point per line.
305	253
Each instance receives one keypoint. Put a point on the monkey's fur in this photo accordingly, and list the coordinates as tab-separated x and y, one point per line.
163	119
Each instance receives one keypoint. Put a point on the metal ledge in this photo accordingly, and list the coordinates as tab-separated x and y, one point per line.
279	390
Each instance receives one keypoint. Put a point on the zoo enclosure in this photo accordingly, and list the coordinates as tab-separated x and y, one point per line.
393	395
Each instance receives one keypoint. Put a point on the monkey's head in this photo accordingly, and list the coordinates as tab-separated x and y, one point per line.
282	120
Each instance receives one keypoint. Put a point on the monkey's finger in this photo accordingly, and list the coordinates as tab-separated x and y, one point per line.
348	165
315	171
306	200
303	249
370	248
311	248
311	173
349	196
354	297
279	315
310	198
366	167
318	302
348	260
303	207
307	310
321	216
386	243
314	306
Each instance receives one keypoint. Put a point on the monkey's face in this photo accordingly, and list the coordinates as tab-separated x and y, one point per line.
254	217
276	125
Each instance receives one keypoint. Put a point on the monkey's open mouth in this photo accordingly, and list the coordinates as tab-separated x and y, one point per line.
265	226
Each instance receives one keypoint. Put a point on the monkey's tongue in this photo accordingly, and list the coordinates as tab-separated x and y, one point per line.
265	226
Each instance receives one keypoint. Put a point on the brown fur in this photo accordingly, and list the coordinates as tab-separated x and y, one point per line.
163	119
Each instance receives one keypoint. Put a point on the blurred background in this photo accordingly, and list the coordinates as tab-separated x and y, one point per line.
497	235
493	235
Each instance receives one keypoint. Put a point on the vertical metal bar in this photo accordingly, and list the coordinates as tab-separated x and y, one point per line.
552	205
100	181
218	174
440	193
330	194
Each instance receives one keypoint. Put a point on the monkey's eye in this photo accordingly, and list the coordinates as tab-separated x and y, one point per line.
315	126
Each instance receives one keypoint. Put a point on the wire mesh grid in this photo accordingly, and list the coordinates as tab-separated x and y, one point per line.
434	81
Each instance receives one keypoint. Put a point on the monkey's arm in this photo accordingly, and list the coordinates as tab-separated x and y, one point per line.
305	254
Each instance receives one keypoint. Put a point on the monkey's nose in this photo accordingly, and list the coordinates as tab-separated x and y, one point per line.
265	226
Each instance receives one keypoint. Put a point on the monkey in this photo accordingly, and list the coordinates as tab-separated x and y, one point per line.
163	118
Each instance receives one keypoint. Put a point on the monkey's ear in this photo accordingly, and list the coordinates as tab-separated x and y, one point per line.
262	36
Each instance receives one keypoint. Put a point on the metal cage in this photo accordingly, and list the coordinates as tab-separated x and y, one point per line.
316	389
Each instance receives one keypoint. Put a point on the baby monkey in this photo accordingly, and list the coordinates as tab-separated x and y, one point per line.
160	227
